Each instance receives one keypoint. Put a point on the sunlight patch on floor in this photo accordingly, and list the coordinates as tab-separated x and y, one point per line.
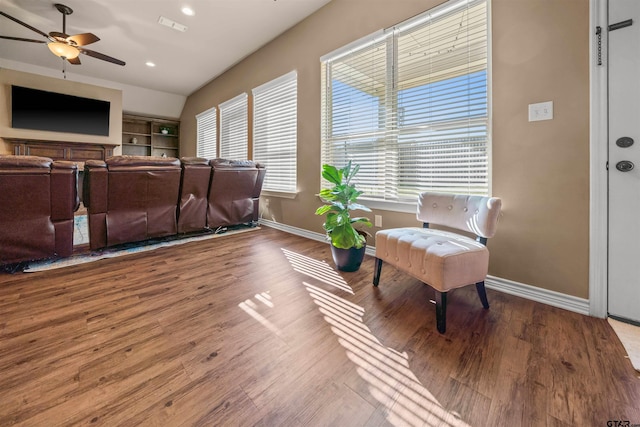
264	298
250	307
391	382
319	270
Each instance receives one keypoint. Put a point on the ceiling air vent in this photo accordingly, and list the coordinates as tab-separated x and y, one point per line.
172	24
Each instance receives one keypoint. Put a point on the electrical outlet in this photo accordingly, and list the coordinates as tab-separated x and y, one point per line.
378	220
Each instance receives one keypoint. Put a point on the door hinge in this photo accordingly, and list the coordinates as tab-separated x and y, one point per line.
607	166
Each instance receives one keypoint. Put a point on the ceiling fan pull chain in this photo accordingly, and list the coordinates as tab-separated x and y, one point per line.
64	68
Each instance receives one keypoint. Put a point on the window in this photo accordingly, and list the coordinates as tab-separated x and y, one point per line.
233	128
206	134
275	132
410	105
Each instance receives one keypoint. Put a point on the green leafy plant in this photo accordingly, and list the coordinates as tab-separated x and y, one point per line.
341	199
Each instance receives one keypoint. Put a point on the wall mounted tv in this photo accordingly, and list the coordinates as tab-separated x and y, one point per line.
41	110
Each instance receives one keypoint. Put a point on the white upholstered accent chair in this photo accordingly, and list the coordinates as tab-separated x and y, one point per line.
443	260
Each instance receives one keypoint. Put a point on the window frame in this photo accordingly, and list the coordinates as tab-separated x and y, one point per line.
389	38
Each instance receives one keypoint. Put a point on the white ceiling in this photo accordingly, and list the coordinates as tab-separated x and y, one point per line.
221	33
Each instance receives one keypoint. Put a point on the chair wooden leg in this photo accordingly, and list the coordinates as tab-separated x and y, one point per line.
441	311
376	272
482	293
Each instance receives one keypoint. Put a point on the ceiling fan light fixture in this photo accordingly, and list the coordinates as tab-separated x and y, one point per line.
63	50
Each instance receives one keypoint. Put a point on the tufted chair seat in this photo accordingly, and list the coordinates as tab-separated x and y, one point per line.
442	259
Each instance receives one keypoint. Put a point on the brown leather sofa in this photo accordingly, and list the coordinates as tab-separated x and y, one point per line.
135	198
234	193
131	198
38	197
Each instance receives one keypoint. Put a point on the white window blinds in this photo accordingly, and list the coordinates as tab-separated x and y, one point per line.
207	133
275	127
233	128
410	105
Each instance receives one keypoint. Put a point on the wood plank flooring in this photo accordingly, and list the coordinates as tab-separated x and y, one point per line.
259	329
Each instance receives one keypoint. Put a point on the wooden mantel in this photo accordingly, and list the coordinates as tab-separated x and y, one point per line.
60	150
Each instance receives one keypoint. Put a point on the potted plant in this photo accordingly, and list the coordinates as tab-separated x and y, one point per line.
348	244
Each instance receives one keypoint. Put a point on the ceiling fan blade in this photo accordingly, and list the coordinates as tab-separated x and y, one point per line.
74	61
23	24
83	39
21	39
101	56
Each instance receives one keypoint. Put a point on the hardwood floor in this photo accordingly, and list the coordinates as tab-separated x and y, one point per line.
259	329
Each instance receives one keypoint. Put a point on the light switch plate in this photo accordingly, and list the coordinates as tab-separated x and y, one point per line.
541	111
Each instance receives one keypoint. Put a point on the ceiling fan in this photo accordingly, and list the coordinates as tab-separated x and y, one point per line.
63	45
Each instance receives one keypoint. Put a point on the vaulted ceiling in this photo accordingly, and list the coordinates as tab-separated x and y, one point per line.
218	35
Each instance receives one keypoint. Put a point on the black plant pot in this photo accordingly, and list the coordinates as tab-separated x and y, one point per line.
348	259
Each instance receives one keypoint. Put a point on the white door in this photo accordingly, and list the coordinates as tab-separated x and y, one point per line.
624	160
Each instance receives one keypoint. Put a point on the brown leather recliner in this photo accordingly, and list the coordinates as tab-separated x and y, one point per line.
234	193
38	197
131	198
194	191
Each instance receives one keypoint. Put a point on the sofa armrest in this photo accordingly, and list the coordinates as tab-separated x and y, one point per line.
95	198
64	190
262	171
94	186
64	202
194	190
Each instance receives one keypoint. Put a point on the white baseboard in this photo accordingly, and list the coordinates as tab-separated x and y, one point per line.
370	250
545	296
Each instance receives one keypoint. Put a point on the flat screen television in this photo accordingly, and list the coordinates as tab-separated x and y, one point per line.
41	110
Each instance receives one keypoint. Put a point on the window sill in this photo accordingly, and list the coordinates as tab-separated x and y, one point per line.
410	208
281	194
390	206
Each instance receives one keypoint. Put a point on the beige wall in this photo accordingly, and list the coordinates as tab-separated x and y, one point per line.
11	77
540	169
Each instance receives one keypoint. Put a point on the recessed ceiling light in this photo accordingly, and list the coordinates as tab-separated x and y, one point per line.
188	11
150	64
